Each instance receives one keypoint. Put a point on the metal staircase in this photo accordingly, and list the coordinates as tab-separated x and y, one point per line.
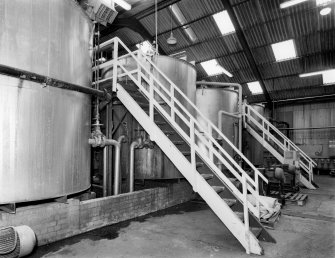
169	117
281	147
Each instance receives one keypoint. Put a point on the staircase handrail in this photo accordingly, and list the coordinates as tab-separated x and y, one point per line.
210	125
286	139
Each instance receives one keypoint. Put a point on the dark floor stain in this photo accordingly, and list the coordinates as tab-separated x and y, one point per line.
112	231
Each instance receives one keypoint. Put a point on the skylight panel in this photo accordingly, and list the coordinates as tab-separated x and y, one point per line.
224	22
212	67
145	46
322	2
284	50
255	87
328	77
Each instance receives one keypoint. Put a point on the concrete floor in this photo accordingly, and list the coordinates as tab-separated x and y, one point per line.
192	230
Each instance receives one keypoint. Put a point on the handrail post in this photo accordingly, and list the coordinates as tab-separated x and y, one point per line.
151	98
115	57
172	102
257	194
193	156
139	72
246	212
210	148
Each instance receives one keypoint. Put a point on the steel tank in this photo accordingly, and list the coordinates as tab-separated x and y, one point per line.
44	131
153	163
211	100
252	149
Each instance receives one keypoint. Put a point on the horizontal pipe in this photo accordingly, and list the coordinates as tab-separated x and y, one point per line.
97	186
34	77
308	128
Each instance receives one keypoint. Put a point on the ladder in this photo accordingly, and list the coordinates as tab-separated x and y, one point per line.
281	147
160	108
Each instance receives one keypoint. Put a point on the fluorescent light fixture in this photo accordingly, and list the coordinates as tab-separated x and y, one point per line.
224	22
182	20
284	50
329	77
145	46
122	3
291	3
322	2
325	11
255	87
212	67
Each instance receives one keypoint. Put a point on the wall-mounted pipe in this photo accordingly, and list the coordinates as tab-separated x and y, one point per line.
135	144
238	115
48	81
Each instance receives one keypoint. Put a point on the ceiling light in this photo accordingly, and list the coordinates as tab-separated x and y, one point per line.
291	3
325	11
255	87
171	40
123	4
284	50
145	46
224	23
322	2
212	67
182	20
328	77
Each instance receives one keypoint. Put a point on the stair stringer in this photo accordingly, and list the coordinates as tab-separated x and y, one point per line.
266	145
214	201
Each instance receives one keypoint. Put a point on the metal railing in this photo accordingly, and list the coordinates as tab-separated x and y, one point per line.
280	140
154	84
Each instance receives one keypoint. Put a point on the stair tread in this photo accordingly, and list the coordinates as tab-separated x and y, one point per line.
199	164
240	214
256	231
207	176
218	188
186	153
178	142
230	202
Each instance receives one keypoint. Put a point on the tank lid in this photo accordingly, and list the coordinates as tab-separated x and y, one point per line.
176	59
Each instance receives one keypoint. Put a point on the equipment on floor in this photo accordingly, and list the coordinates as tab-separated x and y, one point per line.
16	241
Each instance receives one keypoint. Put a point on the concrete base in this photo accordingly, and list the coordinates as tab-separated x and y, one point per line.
192	230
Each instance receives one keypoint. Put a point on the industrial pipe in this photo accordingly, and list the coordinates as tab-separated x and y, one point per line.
133	146
47	81
117	165
239	115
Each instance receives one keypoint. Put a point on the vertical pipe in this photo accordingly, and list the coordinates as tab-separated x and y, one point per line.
105	180
117	165
133	146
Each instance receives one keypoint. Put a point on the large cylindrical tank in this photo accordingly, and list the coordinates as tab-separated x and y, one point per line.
153	163
44	131
210	100
252	149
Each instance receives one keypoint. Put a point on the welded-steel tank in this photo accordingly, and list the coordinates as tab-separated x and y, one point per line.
153	163
252	149
210	100
44	131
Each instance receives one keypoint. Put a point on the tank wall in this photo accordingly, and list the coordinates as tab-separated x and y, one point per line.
44	131
253	150
48	37
210	101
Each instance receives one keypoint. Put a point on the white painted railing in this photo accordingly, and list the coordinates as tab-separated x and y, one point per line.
283	143
197	135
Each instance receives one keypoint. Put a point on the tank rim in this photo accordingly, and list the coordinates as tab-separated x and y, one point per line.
181	60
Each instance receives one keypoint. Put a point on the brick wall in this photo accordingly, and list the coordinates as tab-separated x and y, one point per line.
55	221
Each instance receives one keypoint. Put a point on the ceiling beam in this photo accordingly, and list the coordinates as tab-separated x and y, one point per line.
132	24
151	10
246	48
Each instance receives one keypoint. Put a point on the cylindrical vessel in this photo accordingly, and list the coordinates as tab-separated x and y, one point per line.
252	149
153	163
44	130
211	100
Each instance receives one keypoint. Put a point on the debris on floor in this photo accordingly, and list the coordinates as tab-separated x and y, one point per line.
294	198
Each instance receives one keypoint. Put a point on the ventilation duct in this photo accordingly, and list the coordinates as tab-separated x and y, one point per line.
100	11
